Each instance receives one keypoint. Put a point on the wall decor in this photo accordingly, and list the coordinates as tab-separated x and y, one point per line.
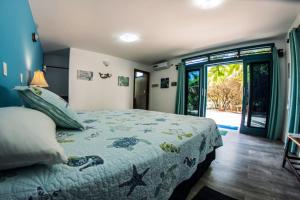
164	83
105	63
173	84
85	75
105	76
155	85
123	81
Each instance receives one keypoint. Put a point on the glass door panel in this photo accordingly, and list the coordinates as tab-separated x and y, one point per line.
193	92
256	98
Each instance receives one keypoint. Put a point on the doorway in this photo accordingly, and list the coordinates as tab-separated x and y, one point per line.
141	90
233	87
225	94
235	94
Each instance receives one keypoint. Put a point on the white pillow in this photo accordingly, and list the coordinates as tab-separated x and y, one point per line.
27	137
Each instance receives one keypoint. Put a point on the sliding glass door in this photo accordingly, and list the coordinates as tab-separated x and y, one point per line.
222	91
232	87
256	100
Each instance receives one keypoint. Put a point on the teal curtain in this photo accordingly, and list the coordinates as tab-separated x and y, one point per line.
203	94
180	96
294	112
276	108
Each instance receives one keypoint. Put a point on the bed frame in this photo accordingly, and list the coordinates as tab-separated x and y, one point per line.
184	188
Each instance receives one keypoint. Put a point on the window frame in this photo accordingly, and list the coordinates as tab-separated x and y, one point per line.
239	56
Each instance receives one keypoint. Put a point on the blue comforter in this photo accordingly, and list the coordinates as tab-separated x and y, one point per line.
131	154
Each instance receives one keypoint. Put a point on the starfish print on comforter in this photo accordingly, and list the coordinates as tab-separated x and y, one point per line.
136	180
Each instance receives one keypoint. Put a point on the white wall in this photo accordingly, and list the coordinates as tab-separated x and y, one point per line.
163	100
100	93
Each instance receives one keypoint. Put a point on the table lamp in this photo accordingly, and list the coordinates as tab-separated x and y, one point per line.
39	79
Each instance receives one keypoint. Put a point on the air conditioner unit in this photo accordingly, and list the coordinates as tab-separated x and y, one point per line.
161	66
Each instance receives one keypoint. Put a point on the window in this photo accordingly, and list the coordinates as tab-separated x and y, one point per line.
230	55
196	61
226	55
256	51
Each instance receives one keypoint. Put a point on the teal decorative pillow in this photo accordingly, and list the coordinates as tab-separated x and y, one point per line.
52	105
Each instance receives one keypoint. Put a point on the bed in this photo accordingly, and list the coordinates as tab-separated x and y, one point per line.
132	154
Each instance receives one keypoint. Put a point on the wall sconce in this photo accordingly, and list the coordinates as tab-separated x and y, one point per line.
105	76
35	37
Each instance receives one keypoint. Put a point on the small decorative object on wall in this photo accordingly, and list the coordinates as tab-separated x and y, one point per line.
44	68
164	83
280	53
85	75
35	37
173	84
105	63
155	85
105	76
123	81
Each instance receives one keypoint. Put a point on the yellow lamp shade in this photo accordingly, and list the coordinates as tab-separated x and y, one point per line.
39	79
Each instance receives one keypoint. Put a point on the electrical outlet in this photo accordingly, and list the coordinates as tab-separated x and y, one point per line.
4	68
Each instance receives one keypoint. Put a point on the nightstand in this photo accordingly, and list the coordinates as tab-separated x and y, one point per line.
292	160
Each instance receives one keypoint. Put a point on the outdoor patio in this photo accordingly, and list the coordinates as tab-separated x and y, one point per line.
225	118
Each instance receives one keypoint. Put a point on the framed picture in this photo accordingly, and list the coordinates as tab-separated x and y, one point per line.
123	81
85	75
164	83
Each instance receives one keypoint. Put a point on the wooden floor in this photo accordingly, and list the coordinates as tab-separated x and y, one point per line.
249	168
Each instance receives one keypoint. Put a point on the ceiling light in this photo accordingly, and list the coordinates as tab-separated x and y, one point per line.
129	37
208	4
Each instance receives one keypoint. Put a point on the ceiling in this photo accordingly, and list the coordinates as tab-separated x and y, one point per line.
168	28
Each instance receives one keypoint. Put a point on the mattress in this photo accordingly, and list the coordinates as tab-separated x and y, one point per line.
132	154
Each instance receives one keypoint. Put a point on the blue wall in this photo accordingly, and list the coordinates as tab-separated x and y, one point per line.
16	48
